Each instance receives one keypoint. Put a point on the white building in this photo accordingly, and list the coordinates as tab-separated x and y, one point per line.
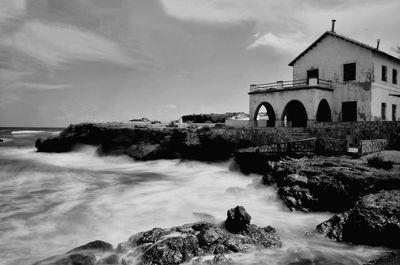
335	79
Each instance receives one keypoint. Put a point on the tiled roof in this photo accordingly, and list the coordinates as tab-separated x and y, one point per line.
334	34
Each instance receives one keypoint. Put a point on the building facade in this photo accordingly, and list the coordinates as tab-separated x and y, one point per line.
334	79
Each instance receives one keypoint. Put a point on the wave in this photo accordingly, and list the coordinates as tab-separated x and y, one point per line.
55	202
34	132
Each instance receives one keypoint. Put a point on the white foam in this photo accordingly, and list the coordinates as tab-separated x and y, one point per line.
34	132
55	202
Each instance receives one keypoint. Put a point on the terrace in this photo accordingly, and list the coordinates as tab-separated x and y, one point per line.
311	83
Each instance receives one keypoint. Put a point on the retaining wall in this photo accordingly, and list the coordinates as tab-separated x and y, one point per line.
357	131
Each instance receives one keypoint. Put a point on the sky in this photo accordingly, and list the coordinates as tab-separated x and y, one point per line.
70	61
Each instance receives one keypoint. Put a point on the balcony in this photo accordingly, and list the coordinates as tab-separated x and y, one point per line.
292	85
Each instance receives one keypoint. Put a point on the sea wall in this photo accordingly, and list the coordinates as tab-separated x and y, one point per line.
357	131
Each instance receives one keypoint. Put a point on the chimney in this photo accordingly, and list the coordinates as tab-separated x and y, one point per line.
333	25
378	41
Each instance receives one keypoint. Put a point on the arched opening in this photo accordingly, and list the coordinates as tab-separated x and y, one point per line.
295	114
324	111
265	115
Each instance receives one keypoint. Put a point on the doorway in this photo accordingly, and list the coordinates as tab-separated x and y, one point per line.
349	111
312	73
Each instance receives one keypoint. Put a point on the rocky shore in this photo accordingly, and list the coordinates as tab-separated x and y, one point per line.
148	143
331	184
201	243
366	200
374	220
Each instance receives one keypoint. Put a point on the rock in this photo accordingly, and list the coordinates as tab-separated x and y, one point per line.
78	259
237	219
177	245
71	259
217	260
172	250
375	220
94	245
1	140
144	151
150	142
326	183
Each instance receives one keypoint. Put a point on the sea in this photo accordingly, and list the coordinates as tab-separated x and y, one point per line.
53	202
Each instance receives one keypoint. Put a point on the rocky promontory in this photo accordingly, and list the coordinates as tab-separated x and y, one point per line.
202	143
197	243
332	184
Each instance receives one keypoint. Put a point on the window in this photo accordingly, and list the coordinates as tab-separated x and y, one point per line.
349	71
383	111
394	76
394	109
384	73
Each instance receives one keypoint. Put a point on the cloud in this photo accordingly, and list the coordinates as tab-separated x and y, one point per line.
289	43
43	86
169	107
226	11
11	8
54	44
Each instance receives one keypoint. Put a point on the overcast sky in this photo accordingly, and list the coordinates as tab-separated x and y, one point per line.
68	61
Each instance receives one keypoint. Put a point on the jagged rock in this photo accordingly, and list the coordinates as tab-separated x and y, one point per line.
217	260
237	219
177	245
326	183
375	220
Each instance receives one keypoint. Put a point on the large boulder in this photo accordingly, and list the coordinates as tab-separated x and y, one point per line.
237	219
375	220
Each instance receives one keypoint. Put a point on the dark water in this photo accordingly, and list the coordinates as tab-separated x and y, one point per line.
51	203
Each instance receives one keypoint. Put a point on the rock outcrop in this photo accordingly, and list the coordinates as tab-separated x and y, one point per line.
203	143
177	245
374	220
326	184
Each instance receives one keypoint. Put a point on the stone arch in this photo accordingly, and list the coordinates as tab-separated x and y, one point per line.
324	111
269	112
294	114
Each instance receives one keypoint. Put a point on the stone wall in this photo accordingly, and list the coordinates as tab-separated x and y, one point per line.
290	147
357	131
372	146
331	146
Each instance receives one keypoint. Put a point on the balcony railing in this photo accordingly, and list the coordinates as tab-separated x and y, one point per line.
312	82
